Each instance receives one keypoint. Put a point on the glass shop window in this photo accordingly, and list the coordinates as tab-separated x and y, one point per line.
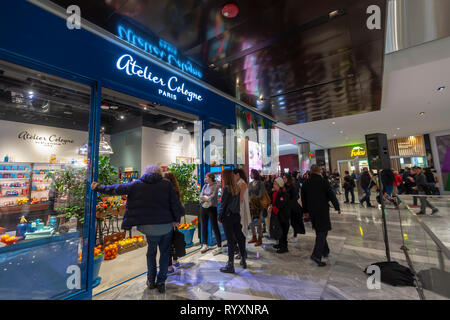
44	128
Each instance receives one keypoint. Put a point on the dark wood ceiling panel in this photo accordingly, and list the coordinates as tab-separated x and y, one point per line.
305	63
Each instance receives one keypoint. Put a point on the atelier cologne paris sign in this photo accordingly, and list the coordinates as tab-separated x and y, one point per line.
169	87
158	48
358	152
50	141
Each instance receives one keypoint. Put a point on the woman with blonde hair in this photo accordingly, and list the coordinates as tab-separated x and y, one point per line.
173	260
229	216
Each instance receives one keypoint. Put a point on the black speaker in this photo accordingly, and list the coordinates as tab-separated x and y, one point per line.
378	151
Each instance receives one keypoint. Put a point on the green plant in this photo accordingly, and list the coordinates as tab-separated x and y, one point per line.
190	191
70	185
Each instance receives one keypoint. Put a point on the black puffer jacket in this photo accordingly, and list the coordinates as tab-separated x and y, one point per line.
151	200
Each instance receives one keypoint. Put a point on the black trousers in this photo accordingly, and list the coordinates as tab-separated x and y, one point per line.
211	215
321	247
285	229
235	238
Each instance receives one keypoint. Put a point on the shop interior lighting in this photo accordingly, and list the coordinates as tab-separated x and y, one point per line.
104	147
441	89
334	122
422	113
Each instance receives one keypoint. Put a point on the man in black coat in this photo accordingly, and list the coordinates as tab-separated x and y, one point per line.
154	207
316	193
365	185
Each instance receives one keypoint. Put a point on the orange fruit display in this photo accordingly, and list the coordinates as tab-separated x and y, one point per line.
111	251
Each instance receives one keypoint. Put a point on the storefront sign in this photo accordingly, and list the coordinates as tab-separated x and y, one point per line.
358	152
162	50
168	88
52	140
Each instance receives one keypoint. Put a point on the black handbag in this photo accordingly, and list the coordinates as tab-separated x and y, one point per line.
275	228
178	243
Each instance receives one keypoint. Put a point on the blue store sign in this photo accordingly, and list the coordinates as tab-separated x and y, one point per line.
169	88
162	50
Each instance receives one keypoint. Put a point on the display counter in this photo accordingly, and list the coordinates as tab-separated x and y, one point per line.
38	269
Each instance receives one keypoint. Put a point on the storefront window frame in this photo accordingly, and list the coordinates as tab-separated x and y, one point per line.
93	150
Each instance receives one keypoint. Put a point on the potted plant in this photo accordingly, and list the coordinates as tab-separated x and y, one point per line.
190	192
189	188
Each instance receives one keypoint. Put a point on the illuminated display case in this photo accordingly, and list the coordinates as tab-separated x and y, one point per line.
25	184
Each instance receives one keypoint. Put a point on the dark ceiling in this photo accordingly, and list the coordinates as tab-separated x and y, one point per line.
291	59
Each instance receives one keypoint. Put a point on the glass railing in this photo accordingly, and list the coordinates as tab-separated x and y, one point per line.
424	241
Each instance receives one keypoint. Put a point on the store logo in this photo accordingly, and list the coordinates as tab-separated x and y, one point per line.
358	152
164	50
52	140
174	86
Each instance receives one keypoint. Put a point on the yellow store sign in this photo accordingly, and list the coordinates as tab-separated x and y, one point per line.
358	152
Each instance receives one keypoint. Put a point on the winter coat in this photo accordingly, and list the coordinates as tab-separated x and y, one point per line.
365	180
150	200
387	177
316	193
280	205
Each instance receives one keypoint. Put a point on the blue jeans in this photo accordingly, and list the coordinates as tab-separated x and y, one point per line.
352	192
389	189
366	197
164	242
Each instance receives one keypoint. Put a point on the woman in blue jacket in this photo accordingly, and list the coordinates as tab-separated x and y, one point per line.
154	207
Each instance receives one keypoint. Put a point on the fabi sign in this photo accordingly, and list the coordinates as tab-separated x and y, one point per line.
358	152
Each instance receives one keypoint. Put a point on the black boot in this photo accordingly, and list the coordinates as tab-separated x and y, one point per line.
243	262
161	287
151	284
229	268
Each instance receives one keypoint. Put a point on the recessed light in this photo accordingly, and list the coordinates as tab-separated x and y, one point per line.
395	135
122	117
341	131
30	92
441	89
398	128
334	122
422	113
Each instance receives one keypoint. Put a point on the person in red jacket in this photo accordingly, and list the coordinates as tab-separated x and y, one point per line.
397	181
281	209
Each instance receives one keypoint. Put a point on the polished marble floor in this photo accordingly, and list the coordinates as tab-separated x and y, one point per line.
356	241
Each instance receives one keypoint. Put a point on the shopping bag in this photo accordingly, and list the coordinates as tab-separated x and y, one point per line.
178	243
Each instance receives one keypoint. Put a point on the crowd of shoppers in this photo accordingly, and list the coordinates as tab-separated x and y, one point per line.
154	206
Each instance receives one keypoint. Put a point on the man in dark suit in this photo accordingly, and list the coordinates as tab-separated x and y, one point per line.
316	193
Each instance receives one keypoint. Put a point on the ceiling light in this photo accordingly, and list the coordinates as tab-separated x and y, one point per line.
395	135
398	128
114	107
334	122
441	89
145	108
30	92
104	107
282	108
122	117
212	65
341	131
422	113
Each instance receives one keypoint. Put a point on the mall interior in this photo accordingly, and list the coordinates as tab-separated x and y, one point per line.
99	90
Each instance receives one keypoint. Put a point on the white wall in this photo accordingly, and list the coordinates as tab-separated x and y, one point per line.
162	147
32	150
